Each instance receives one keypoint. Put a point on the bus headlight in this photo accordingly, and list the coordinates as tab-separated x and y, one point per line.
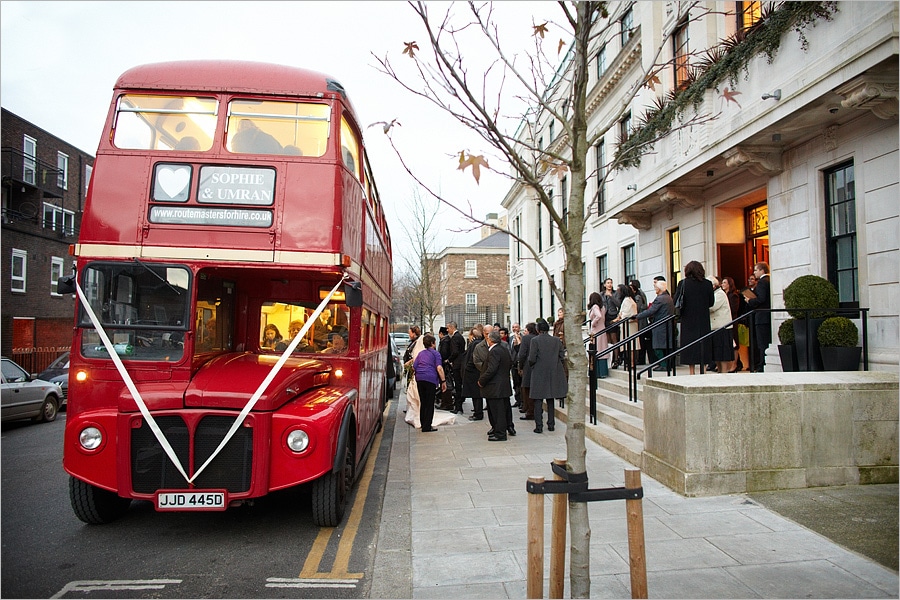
90	438
298	440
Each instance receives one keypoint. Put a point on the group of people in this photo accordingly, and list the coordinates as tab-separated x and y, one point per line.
703	304
491	368
324	337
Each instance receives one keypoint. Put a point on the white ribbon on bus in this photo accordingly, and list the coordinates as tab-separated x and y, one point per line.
160	436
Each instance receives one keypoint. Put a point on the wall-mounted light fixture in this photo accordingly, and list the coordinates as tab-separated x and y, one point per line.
776	95
632	187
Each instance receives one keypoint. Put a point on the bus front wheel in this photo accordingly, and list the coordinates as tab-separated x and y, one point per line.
95	505
330	492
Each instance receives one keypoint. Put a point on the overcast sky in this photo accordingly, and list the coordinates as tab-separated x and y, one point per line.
59	61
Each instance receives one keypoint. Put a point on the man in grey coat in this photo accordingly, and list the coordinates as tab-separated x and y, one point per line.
546	355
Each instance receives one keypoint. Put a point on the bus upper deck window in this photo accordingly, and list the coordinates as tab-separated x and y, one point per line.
350	148
181	123
269	127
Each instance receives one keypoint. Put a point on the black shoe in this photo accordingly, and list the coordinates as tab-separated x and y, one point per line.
429	430
551	428
490	432
526	418
538	430
511	431
522	409
660	368
476	418
497	438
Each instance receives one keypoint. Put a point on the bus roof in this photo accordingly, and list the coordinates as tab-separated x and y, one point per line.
230	76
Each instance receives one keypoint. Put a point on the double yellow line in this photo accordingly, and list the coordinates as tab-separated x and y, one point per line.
342	560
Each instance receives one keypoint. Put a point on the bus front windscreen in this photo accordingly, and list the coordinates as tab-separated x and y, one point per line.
142	308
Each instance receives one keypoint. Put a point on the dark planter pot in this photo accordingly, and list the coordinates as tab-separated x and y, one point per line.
809	354
841	358
788	353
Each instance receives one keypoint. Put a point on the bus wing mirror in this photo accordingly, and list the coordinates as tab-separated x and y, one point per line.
353	294
66	285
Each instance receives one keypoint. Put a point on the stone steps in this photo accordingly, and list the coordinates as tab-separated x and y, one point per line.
620	423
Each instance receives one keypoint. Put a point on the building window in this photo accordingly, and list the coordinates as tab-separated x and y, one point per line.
62	170
471	303
601	177
518	230
59	219
540	297
471	268
541	143
601	61
681	54
29	160
552	130
564	199
88	171
540	228
444	272
625	127
627	22
552	316
550	223
602	269
748	14
57	270
840	245
518	303
674	258
18	270
629	263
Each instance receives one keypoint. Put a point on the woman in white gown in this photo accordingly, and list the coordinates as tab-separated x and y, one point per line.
441	417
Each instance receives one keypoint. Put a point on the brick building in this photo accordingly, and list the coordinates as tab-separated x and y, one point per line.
475	280
44	186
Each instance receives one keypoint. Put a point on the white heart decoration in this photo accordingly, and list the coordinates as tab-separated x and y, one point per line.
173	181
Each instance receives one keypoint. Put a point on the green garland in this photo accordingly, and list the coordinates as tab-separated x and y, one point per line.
720	64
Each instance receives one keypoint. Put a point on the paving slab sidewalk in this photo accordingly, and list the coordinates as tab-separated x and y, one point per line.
454	525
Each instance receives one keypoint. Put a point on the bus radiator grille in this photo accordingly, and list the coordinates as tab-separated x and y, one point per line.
231	470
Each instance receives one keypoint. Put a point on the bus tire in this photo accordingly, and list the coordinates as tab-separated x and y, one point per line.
94	505
330	492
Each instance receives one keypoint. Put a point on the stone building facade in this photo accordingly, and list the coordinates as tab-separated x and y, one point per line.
795	163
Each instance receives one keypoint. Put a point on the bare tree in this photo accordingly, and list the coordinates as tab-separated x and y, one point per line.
507	100
422	271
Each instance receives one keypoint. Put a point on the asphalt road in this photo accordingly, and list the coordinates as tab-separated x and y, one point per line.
269	550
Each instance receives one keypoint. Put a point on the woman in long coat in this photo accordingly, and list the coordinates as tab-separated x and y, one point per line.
697	298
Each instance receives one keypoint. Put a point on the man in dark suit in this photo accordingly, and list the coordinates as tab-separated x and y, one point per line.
457	362
762	320
524	368
495	386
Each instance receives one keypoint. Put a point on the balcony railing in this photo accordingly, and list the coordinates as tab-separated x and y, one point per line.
28	171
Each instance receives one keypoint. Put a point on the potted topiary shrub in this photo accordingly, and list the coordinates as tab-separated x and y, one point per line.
787	350
838	338
810	299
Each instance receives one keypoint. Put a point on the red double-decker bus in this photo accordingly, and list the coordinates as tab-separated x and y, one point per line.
233	277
